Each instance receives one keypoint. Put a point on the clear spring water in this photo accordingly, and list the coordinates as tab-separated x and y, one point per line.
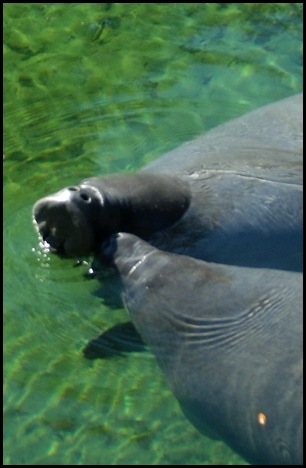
91	89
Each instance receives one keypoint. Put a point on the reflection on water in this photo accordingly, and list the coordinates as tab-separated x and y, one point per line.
92	89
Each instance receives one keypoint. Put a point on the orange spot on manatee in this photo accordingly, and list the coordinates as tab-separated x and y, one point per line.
262	419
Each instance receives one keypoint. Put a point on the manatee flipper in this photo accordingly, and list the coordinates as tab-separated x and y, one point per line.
229	340
118	340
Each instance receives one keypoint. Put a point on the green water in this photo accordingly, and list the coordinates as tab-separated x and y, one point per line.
91	89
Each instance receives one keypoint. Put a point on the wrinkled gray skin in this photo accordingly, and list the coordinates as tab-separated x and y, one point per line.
229	340
220	333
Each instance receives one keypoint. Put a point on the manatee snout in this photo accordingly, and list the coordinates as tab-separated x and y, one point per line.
63	223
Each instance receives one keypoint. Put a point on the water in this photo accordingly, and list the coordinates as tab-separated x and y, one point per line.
91	89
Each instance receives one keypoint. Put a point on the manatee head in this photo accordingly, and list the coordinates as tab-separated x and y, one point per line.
67	220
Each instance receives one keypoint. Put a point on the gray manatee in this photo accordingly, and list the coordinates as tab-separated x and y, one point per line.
229	340
232	196
227	334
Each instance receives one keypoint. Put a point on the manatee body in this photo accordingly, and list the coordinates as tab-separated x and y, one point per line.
246	183
229	340
232	196
227	336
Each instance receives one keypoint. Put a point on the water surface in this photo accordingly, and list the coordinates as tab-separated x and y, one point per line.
91	89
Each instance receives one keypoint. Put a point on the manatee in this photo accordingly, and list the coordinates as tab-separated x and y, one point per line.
232	196
222	217
229	340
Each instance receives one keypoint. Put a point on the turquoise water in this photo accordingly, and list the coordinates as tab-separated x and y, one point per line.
91	89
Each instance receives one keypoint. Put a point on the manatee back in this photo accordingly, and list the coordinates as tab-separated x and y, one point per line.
265	143
229	341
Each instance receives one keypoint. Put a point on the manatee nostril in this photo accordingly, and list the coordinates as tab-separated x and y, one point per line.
85	197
